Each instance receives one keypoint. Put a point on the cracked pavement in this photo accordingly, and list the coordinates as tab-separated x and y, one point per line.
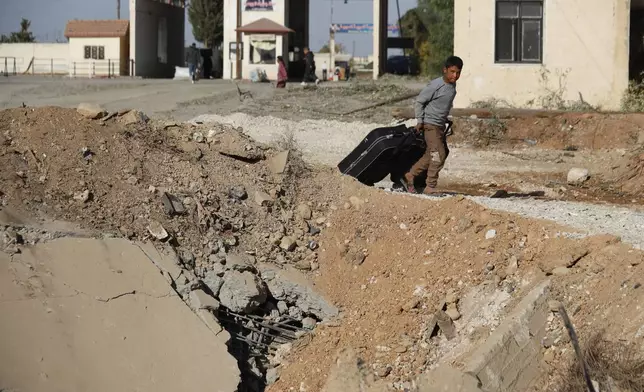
84	314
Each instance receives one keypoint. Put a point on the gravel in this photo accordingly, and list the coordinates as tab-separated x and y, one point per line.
589	218
328	141
322	141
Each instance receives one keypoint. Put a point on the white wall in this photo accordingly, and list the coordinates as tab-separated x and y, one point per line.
44	54
322	58
588	40
278	15
63	59
82	66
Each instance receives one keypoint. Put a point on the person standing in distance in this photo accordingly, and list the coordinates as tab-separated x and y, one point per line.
309	68
192	59
432	106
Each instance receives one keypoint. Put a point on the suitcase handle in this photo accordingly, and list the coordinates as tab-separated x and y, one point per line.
411	134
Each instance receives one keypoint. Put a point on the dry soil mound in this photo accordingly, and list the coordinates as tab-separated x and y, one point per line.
389	262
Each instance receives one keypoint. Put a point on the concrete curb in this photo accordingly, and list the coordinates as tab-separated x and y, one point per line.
510	358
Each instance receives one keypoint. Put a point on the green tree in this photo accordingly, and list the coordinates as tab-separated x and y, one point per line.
438	18
207	20
431	25
24	35
339	48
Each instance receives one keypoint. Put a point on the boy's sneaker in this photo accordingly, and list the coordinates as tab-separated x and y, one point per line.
430	191
407	182
317	82
303	83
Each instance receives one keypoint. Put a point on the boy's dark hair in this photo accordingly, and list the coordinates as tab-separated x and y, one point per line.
454	61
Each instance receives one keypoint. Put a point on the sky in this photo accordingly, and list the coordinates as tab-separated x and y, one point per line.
48	18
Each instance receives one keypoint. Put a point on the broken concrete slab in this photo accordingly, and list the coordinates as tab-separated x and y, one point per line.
277	163
172	205
134	117
214	278
157	230
91	111
447	379
293	287
211	321
81	307
509	359
236	145
446	325
242	291
199	299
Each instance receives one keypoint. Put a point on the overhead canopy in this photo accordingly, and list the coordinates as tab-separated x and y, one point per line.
264	26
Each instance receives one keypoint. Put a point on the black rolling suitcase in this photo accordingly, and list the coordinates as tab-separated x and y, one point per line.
384	151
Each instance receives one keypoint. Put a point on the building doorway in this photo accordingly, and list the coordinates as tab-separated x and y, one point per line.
297	20
636	52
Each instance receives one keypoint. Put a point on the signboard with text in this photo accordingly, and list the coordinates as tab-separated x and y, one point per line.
361	28
259	5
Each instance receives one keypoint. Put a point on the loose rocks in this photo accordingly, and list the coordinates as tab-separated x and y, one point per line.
263	198
238	193
172	205
157	230
356	202
83	196
242	291
91	111
200	300
134	117
215	279
277	163
288	243
304	211
578	176
292	287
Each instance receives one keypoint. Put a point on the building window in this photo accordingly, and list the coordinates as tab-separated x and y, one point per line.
94	52
519	26
262	49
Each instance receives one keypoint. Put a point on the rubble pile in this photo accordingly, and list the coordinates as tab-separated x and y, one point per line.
225	206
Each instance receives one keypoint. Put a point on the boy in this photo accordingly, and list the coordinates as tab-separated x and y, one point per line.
432	108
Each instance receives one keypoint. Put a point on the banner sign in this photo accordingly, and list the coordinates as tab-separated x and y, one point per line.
259	5
360	28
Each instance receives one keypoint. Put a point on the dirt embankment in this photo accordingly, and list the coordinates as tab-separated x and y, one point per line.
112	175
418	253
572	131
387	261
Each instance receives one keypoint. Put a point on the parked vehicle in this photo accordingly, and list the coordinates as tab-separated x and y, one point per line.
403	65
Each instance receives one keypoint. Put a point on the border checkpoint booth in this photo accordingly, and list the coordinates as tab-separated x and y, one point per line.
263	40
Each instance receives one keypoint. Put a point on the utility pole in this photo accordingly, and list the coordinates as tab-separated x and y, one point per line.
238	39
118	9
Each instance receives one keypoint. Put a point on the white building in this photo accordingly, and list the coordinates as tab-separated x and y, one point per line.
290	32
264	36
99	46
527	51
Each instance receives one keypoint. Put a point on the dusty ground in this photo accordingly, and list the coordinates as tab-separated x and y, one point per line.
441	248
182	101
386	297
